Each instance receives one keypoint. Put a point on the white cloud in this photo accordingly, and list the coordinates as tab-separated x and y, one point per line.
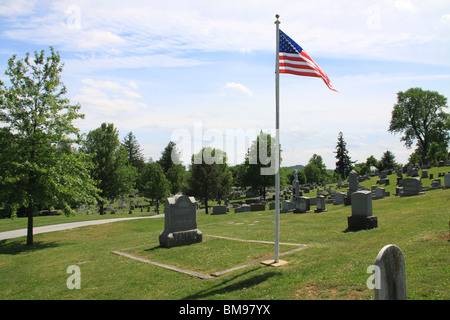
109	36
406	5
102	62
445	19
95	39
142	29
108	101
133	85
16	7
236	87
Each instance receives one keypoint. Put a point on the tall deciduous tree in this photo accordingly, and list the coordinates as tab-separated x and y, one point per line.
155	186
114	176
40	166
419	116
173	169
258	157
315	171
207	180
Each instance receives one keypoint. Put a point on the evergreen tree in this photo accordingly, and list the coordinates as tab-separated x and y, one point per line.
388	160
169	156
343	163
135	155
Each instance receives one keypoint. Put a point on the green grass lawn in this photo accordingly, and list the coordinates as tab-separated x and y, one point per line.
332	267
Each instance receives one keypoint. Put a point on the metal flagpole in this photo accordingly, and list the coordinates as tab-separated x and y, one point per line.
277	146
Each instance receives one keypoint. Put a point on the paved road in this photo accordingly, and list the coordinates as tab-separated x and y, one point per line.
64	226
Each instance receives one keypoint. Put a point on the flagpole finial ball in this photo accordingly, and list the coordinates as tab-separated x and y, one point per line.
277	16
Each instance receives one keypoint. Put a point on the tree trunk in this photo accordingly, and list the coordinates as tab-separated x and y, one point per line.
30	224
206	205
101	208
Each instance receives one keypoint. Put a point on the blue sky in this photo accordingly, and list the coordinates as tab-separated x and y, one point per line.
160	67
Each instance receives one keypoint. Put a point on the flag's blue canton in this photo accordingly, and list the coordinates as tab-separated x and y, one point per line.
288	45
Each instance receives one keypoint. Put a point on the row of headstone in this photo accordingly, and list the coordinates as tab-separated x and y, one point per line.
443	163
303	204
258	206
243	208
407	187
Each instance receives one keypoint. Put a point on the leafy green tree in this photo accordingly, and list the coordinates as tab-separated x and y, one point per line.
40	167
361	168
414	158
173	169
156	185
301	177
371	162
114	176
315	171
287	177
344	164
207	180
436	153
238	172
177	178
259	156
419	115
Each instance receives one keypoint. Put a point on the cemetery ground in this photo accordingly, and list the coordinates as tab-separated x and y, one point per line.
332	266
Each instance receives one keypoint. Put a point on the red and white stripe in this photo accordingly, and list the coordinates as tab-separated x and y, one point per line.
302	65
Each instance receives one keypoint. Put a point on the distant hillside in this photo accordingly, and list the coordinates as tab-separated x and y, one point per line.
299	167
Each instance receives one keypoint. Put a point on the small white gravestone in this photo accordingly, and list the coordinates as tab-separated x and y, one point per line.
392	277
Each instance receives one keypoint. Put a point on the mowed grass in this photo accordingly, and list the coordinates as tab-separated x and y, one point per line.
332	267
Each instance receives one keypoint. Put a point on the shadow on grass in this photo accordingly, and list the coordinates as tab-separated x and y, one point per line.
16	247
229	285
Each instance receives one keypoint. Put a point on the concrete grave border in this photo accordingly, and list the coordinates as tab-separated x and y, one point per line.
218	273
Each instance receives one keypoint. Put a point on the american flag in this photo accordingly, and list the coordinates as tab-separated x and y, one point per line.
294	60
